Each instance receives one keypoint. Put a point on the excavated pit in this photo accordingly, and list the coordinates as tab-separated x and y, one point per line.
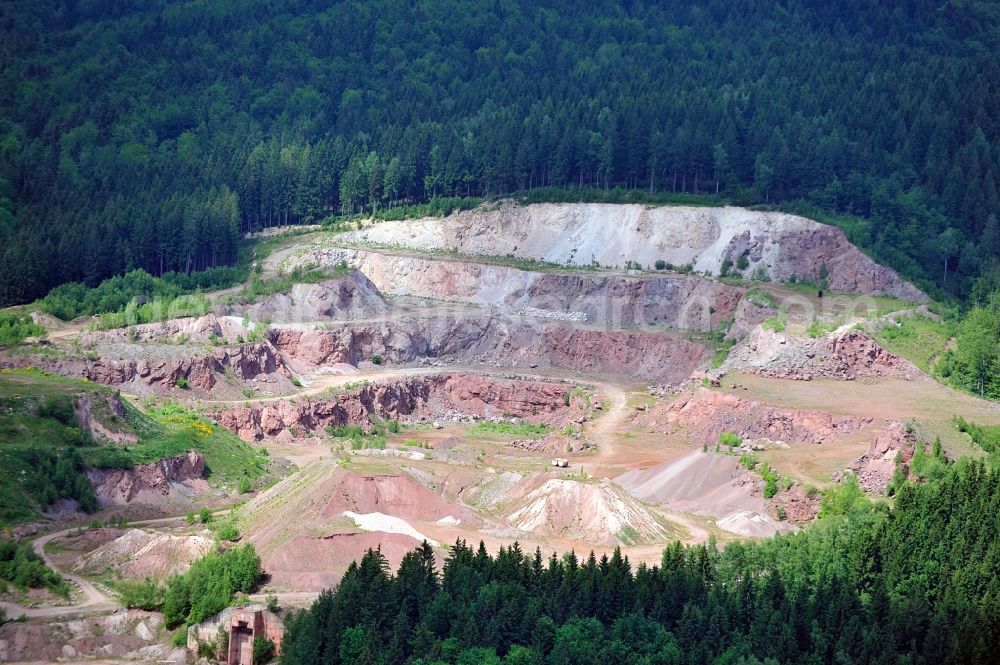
782	246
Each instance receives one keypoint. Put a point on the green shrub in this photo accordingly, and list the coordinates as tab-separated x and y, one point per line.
376	359
263	650
205	515
522	428
145	595
210	585
228	531
15	328
845	498
23	569
730	439
182	383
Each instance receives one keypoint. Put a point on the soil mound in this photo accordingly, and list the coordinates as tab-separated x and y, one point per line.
350	297
612	235
704	415
138	554
708	484
844	357
595	512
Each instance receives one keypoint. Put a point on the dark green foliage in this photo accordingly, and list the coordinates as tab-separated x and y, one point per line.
210	585
228	531
23	569
986	437
263	650
114	294
150	134
841	591
15	328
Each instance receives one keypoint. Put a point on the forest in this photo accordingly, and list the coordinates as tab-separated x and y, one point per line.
150	134
913	584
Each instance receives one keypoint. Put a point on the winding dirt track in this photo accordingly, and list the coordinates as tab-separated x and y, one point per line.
94	601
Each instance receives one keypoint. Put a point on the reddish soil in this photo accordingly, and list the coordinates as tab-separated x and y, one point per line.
398	496
704	415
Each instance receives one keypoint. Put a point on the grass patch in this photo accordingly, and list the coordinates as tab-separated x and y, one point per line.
260	287
173	430
490	428
44	454
918	338
817	328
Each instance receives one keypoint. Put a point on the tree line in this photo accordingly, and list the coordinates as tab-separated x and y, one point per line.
914	584
151	134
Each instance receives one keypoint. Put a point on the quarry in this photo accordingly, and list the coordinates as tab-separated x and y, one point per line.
564	376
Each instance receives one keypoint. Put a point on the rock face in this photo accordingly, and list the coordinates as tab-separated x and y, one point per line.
150	483
844	357
686	302
419	397
611	235
190	329
704	415
83	412
876	467
499	343
350	297
126	634
201	371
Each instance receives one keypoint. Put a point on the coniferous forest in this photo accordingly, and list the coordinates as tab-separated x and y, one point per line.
149	134
915	584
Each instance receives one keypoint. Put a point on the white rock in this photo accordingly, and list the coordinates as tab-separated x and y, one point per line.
68	651
144	632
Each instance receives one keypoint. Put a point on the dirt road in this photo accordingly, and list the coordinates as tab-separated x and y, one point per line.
94	601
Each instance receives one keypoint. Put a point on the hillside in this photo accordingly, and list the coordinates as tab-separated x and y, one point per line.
151	134
72	445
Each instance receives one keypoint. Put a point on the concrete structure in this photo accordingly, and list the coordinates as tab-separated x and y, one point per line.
242	624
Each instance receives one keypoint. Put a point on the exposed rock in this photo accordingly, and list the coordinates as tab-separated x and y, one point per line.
799	507
346	298
202	372
496	342
686	302
844	357
611	235
124	632
150	483
415	398
876	467
85	419
704	415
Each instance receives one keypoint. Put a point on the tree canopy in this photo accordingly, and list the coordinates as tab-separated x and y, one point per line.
914	584
148	134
